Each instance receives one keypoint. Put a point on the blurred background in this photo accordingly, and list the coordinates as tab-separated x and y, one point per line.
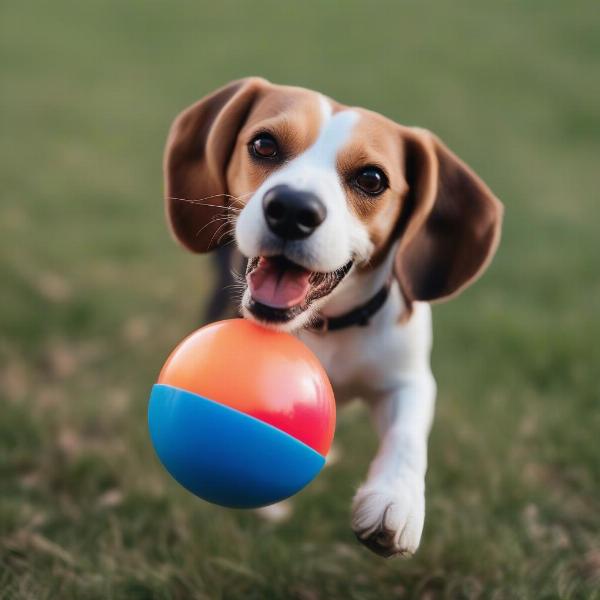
94	294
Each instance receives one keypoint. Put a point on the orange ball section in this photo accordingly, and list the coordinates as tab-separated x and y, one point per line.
269	375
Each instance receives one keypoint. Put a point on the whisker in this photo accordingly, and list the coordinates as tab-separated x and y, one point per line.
227	231
215	219
224	195
201	201
215	233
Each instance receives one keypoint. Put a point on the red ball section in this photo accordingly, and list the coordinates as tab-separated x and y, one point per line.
269	375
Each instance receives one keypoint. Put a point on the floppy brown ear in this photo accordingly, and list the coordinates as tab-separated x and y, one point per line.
199	147
452	221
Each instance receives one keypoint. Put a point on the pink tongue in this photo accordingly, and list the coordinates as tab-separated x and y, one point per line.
277	287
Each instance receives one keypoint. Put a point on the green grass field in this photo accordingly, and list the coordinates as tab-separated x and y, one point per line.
94	294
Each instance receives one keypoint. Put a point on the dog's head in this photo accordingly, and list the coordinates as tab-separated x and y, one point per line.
312	191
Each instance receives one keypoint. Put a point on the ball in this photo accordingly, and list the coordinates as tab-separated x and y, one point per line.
241	415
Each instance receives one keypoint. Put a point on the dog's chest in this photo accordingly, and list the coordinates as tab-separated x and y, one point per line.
367	361
346	361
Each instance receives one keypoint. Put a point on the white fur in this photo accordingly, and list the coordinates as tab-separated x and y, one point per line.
386	362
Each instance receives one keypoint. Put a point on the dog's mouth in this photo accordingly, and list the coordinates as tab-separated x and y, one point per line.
281	289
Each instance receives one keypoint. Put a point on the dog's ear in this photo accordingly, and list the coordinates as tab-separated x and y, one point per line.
450	223
198	150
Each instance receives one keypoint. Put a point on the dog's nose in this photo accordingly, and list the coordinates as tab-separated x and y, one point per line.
292	214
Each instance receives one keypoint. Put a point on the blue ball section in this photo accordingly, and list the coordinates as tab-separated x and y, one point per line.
223	455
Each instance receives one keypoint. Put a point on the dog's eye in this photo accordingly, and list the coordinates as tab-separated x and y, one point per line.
371	180
263	146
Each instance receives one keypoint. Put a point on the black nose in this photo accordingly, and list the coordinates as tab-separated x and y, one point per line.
292	214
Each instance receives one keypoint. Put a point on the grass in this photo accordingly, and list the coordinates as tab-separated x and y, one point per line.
94	294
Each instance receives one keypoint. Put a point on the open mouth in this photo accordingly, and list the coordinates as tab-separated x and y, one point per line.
281	289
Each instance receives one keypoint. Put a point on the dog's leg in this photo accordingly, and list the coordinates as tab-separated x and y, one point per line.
389	508
222	304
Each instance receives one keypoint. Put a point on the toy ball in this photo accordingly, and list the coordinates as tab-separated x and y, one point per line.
242	416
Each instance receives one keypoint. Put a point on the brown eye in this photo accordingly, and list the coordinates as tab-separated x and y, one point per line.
263	146
371	180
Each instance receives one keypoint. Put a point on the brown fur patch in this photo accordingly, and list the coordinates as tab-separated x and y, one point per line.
375	141
292	116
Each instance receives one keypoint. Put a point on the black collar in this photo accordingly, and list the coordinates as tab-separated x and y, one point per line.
358	316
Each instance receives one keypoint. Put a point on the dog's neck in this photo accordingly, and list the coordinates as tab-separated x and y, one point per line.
358	287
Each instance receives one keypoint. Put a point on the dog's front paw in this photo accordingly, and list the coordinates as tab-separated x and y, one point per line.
388	519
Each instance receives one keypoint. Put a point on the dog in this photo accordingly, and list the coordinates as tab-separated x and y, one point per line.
351	225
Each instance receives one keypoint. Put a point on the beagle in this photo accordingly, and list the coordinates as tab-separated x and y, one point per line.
351	224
